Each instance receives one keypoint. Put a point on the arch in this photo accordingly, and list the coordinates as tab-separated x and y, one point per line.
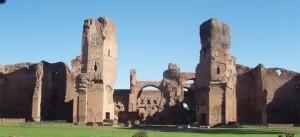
218	70
108	52
278	72
149	103
150	88
187	76
141	89
192	78
146	86
188	83
187	79
142	84
95	67
136	87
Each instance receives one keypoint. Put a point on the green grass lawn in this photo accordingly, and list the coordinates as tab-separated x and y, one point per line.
69	130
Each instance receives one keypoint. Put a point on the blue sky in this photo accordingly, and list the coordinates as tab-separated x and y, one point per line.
152	33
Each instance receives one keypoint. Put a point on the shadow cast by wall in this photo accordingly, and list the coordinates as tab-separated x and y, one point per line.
17	91
53	105
267	95
233	131
285	105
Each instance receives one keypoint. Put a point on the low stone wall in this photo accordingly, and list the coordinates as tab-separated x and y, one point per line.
13	120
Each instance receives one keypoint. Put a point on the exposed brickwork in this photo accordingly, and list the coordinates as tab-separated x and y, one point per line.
218	93
95	83
215	76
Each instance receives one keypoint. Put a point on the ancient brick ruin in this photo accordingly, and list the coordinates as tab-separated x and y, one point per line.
93	99
218	92
216	75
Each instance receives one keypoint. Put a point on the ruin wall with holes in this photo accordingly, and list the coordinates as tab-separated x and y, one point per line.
36	92
267	95
49	91
158	105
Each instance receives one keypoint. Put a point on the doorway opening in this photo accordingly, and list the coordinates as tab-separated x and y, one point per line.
107	115
203	119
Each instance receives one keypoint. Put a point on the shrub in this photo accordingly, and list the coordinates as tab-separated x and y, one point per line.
140	134
289	134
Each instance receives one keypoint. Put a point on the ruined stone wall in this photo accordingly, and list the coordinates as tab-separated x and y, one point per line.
160	106
282	95
247	112
215	75
121	101
267	95
18	84
149	104
223	92
136	88
95	82
76	65
171	86
35	92
53	106
189	98
70	92
172	89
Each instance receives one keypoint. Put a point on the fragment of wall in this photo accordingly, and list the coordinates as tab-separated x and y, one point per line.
17	91
282	95
267	95
121	100
246	91
53	106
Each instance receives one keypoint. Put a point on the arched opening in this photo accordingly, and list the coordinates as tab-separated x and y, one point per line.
189	105
149	104
95	67
190	81
189	102
108	52
218	70
189	94
150	88
278	72
107	115
189	97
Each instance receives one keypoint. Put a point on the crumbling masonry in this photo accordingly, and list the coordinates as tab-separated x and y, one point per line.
93	101
216	76
218	92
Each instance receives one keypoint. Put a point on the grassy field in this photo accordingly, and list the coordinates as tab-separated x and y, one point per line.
69	130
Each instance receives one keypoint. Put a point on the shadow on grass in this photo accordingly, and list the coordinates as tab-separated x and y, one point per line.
209	131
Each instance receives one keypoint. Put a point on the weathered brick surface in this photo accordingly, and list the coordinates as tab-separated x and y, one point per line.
221	91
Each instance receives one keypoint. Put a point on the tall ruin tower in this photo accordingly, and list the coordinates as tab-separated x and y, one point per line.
215	76
96	82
